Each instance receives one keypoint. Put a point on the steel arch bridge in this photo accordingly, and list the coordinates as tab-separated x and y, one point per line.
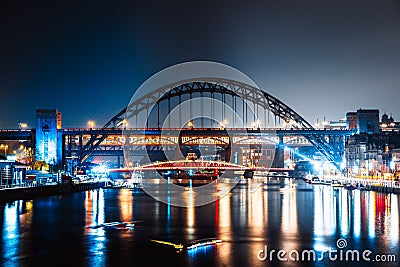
213	86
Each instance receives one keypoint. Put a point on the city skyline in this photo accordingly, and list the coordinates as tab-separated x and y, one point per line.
321	59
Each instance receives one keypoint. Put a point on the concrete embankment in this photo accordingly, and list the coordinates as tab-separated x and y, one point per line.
11	194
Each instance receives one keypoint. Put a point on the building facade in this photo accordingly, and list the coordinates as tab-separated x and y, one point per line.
12	173
368	121
351	120
48	138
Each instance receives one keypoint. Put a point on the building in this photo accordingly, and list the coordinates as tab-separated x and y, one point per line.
373	155
364	120
389	124
337	125
364	156
368	121
394	163
351	120
48	138
12	173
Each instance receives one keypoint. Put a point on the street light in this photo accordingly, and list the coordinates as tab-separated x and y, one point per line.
91	123
23	125
223	123
256	124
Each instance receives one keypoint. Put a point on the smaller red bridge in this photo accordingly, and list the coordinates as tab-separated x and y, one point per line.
196	165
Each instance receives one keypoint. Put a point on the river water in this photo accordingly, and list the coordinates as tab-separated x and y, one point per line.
251	221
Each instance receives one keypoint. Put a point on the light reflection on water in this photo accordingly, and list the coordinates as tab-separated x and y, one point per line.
11	242
246	219
17	217
96	239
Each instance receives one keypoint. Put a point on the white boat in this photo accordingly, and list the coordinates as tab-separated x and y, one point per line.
315	180
336	183
203	242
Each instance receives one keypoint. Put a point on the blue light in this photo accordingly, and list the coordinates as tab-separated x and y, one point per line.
11	157
190	172
199	250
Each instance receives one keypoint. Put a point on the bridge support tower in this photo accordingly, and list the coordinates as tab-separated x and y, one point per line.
48	138
279	160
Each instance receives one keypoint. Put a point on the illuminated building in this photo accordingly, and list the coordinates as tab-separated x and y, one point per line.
364	120
12	173
351	120
48	138
388	124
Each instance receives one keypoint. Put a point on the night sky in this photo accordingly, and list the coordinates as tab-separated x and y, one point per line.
322	58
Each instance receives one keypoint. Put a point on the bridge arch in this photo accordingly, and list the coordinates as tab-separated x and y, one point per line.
226	87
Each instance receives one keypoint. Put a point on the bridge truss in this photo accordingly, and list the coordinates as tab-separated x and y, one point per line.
239	95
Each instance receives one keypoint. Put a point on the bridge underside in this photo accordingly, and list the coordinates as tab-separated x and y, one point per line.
283	146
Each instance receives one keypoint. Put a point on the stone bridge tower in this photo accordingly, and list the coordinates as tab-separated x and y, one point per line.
48	136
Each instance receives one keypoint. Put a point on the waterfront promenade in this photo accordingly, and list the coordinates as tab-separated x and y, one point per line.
378	185
24	193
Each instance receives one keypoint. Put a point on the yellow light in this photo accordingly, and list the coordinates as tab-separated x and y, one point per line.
23	125
91	123
223	123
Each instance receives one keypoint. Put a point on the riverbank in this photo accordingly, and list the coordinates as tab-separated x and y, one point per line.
19	193
382	186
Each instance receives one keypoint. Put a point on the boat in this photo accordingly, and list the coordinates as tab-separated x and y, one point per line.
336	184
191	178
202	242
191	245
115	225
315	180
